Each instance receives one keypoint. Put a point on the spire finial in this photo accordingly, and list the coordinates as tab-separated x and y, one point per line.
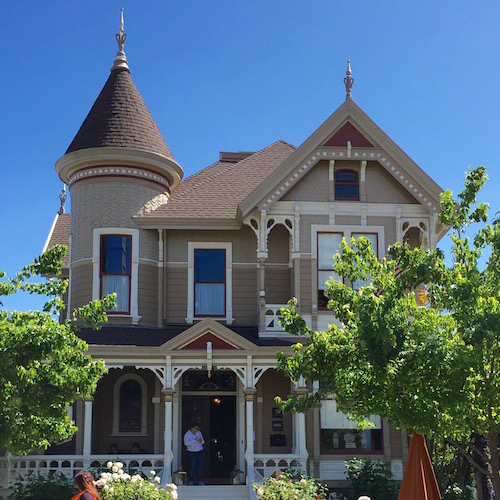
348	80
62	197
120	59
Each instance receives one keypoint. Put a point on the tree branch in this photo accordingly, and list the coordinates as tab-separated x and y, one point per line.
468	456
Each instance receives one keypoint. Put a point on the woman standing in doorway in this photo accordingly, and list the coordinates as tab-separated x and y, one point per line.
193	440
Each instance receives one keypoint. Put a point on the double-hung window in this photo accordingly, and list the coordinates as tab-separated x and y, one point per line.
115	268
328	243
115	272
209	282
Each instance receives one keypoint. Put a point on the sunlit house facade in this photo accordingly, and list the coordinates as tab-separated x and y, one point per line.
201	267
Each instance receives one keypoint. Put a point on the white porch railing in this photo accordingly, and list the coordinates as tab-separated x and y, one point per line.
272	317
19	469
265	465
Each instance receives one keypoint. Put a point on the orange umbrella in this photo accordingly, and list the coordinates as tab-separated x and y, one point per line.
419	481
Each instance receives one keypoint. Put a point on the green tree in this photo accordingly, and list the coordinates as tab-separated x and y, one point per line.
43	365
428	362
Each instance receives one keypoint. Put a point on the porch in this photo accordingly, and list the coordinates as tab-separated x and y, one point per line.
14	469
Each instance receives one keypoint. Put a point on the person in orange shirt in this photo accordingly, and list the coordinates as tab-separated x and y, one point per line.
84	481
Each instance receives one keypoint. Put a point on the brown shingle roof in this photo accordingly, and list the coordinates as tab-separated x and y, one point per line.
119	118
216	191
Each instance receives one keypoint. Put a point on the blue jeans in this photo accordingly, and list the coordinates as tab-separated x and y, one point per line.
195	464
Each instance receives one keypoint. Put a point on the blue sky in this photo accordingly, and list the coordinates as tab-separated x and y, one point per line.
236	75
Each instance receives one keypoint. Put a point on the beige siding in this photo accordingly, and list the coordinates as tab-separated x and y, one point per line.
389	224
245	297
382	187
278	284
273	384
348	220
176	283
244	243
148	294
105	202
305	230
314	186
81	285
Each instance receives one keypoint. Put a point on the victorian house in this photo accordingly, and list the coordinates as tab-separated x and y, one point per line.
201	267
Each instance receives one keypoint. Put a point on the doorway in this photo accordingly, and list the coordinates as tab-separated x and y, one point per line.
215	410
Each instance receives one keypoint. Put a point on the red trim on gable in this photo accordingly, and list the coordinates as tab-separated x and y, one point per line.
201	342
348	132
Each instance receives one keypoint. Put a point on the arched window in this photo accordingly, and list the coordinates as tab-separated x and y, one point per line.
346	185
130	405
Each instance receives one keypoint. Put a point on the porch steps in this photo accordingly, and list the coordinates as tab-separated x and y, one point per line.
219	492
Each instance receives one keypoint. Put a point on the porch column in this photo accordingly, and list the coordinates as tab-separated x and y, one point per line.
168	455
87	432
299	423
249	453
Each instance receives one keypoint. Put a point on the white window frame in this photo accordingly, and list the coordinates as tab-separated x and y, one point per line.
347	231
116	405
209	245
134	271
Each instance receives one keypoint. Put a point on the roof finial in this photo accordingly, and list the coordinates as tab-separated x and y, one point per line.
120	59
62	197
348	80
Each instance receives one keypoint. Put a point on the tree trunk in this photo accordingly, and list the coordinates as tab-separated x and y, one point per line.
483	483
494	464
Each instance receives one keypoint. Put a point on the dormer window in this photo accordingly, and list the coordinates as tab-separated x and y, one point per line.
347	185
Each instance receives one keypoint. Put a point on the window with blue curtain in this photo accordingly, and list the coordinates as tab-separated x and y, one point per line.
115	269
209	282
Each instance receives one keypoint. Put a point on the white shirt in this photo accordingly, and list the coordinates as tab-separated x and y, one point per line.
194	442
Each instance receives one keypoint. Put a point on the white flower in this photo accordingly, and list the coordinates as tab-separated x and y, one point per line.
114	468
109	465
115	476
106	487
120	472
303	481
100	483
173	494
152	472
111	490
260	492
119	465
171	486
157	479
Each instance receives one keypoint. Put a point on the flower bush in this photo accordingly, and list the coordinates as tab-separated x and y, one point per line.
286	485
118	484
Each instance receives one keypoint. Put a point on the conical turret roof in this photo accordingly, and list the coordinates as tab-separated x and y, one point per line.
119	118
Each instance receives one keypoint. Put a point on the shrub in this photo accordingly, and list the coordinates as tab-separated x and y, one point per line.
117	485
285	485
53	485
371	478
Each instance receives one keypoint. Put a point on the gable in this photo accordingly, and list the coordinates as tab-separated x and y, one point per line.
208	330
349	134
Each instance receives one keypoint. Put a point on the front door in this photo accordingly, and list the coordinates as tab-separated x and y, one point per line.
215	410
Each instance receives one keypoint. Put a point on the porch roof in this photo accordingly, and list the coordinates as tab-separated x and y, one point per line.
154	337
